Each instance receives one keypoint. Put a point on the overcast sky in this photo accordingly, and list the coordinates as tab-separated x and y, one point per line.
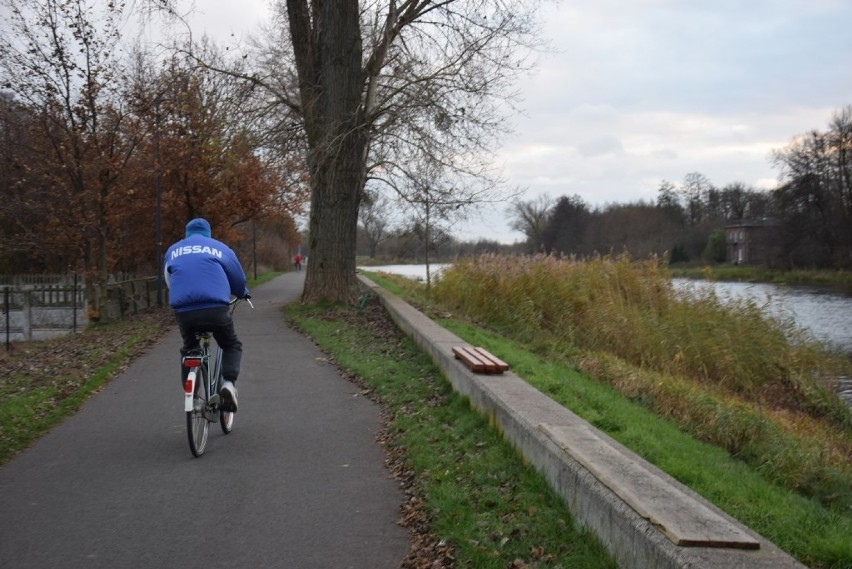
640	91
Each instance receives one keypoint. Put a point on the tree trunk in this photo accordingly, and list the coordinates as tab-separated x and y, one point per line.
328	59
333	224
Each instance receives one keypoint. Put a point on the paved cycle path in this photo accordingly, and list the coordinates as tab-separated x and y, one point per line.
300	482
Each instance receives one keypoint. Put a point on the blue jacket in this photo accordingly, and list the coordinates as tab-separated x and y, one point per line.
202	273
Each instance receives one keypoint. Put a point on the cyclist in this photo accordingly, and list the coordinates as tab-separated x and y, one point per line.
202	274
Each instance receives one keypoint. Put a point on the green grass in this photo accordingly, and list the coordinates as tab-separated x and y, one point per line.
52	379
787	485
263	278
813	533
725	373
753	273
478	494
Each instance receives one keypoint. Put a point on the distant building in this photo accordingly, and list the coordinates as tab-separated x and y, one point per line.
752	241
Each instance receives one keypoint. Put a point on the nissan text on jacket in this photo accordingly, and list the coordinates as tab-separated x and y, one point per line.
211	274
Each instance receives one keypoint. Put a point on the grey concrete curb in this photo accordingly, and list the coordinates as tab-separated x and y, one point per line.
526	416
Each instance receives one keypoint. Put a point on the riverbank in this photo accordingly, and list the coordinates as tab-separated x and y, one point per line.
765	441
839	280
822	311
595	475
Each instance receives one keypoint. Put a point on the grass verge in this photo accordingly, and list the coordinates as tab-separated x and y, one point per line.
263	278
841	280
722	370
481	501
45	382
744	486
811	532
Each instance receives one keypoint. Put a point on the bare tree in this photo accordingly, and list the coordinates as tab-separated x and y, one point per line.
530	218
816	201
18	229
643	230
695	190
735	200
375	217
840	141
433	209
378	92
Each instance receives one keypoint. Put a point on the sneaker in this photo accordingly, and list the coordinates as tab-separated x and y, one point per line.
229	396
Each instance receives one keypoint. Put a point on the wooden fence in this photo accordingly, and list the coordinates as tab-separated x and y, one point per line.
130	296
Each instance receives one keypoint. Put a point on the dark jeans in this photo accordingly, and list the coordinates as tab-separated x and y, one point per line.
218	321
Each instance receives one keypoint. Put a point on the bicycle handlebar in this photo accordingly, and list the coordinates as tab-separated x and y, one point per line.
235	300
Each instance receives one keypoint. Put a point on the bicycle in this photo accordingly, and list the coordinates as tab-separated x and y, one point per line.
202	401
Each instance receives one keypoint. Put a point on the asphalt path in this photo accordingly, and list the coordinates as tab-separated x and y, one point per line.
299	483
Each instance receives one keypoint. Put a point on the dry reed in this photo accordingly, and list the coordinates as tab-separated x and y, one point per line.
722	369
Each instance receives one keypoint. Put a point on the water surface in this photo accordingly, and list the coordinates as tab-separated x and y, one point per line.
825	314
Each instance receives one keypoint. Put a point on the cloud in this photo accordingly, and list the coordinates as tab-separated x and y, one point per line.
655	89
633	93
601	146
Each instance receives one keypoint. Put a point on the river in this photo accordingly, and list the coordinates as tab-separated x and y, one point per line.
826	314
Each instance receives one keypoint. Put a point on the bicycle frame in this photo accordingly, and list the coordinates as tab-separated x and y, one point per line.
196	361
202	401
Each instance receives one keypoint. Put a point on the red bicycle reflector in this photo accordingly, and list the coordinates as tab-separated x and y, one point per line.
187	386
191	362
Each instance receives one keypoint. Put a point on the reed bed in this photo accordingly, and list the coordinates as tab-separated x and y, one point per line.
720	368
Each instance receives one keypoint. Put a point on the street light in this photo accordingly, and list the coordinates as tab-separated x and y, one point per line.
254	247
159	261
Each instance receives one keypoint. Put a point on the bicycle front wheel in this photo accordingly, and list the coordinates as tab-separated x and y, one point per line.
197	425
226	420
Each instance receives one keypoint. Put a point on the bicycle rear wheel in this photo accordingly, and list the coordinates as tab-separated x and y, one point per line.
197	425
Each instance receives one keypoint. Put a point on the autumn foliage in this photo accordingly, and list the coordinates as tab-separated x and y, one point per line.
94	151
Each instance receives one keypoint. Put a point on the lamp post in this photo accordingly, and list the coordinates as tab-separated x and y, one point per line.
254	247
159	261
